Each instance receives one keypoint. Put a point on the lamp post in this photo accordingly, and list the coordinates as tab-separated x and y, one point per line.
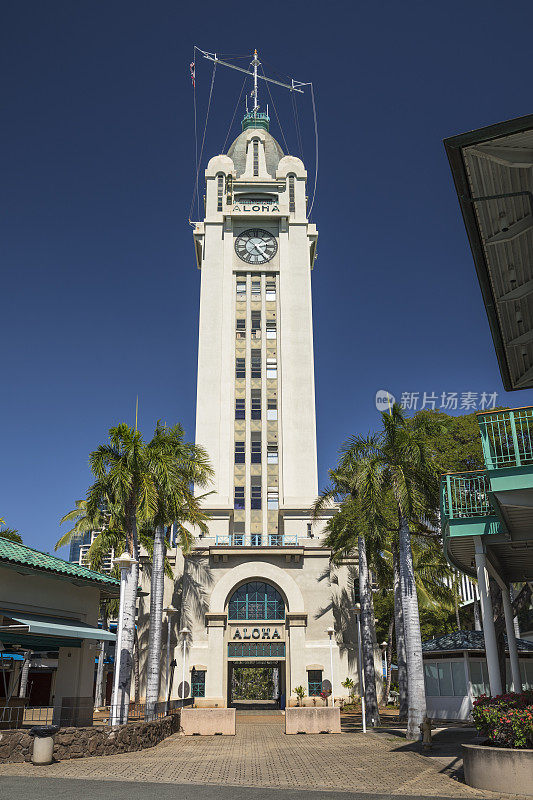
124	563
330	631
168	611
357	609
183	633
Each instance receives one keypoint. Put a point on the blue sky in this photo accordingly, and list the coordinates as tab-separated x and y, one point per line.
99	284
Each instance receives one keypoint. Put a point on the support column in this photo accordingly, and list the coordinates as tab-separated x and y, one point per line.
511	640
217	661
298	675
489	632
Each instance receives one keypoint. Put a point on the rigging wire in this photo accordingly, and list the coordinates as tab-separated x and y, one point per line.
233	117
199	161
297	126
316	148
275	111
195	134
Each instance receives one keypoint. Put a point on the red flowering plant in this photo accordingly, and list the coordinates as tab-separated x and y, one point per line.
506	720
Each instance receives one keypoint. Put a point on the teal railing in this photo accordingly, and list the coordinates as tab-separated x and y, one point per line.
465	495
507	438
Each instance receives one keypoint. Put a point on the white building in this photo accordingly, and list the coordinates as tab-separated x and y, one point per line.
258	593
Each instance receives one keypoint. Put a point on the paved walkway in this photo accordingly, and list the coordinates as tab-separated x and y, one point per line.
261	756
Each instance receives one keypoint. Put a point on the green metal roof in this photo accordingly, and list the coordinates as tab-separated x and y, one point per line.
466	640
15	555
42	632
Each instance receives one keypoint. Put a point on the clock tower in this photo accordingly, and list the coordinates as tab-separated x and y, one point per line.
256	395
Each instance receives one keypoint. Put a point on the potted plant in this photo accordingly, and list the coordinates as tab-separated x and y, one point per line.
504	761
300	694
350	685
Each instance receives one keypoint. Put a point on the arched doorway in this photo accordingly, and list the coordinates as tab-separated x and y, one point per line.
256	646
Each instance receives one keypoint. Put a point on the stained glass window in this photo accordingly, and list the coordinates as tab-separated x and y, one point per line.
256	600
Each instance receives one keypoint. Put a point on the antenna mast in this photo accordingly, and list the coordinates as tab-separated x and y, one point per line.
255	63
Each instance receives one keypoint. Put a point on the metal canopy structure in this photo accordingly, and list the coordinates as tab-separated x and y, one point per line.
35	632
493	173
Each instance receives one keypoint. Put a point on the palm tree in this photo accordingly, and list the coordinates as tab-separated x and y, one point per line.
177	505
9	533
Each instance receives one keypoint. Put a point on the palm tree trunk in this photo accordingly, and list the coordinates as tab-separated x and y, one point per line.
389	661
400	637
156	622
413	639
24	674
122	702
99	687
477	618
367	643
516	625
136	675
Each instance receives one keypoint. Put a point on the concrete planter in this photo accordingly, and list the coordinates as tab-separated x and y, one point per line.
499	769
312	720
208	721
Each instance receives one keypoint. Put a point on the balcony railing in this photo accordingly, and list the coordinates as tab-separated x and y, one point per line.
256	540
507	438
465	495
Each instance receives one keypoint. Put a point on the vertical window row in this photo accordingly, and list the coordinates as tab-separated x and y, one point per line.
256	403
256	325
220	192
240	368
256	447
238	501
270	291
256	157
292	203
256	363
240	408
256	492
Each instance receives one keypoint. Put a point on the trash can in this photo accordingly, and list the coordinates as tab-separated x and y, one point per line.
43	744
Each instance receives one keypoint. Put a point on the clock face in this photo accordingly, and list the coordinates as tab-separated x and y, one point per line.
256	246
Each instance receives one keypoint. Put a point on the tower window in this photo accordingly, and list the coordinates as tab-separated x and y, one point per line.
256	448
238	500
271	291
220	192
241	289
272	454
240	329
256	157
239	452
256	496
292	204
256	363
240	408
256	288
272	368
272	408
271	329
314	677
256	324
310	530
256	403
272	498
240	368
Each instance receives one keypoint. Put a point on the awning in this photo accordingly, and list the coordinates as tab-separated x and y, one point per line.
36	632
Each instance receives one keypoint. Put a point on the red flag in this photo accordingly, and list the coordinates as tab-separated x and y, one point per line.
193	74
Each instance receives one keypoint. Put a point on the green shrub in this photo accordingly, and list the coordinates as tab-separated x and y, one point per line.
506	720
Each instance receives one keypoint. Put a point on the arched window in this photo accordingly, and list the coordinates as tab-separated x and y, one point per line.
256	157
256	600
292	203
220	192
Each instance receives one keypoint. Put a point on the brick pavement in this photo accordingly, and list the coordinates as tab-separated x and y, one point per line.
261	755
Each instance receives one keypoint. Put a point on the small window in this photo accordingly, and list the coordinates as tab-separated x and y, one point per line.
256	363
256	497
240	368
272	368
314	677
256	157
239	452
271	291
272	454
256	325
256	288
256	540
309	530
220	192
292	204
240	329
272	408
256	403
238	501
256	451
271	329
240	408
272	498
241	289
198	683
